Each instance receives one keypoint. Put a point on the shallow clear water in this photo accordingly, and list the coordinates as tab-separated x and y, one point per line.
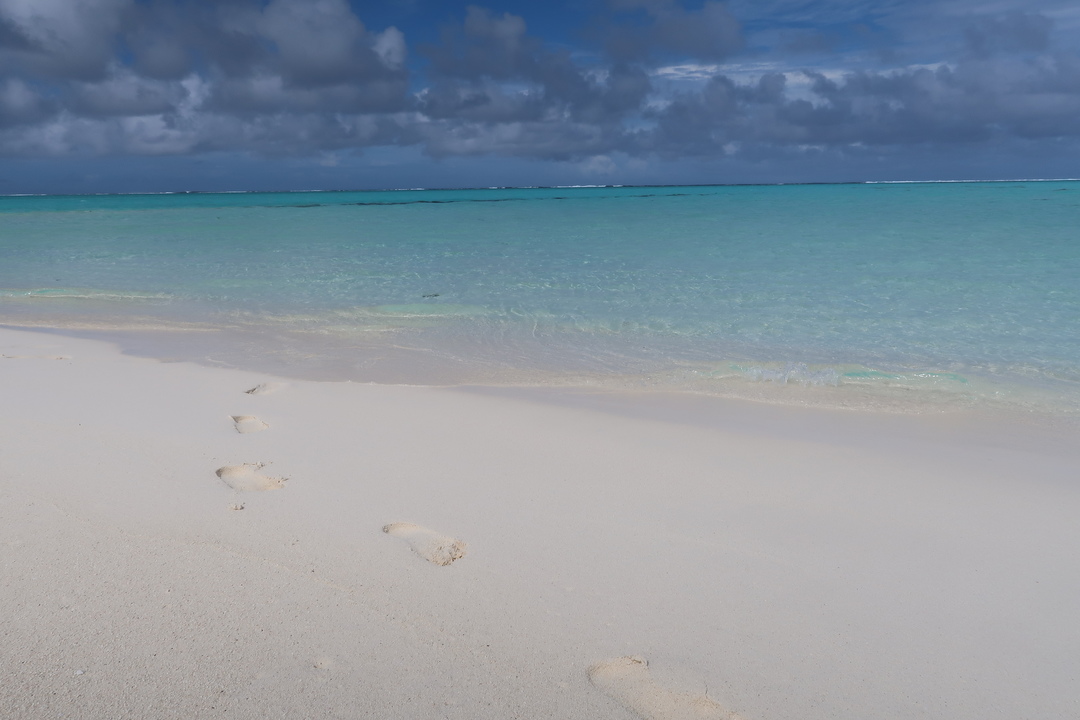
891	293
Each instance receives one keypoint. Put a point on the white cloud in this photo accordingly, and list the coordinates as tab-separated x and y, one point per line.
599	165
390	47
686	71
155	135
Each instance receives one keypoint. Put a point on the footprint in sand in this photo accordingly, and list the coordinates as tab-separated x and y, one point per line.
264	388
626	680
248	477
248	424
428	544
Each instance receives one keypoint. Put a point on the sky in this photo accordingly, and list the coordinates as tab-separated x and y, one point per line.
167	95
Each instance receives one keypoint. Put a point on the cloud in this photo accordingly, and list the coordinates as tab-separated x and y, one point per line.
1012	32
811	41
123	93
972	101
599	165
321	43
485	44
115	76
490	78
21	105
61	39
640	29
651	78
389	45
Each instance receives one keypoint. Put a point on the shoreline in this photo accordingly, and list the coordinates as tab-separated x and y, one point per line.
909	298
767	561
387	359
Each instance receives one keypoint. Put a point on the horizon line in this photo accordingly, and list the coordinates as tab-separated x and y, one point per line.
537	187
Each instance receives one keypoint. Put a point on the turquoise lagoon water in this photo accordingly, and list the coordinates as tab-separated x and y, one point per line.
884	294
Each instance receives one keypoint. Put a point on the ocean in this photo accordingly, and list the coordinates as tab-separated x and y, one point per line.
902	296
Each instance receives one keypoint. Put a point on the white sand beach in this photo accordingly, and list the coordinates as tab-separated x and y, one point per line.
174	546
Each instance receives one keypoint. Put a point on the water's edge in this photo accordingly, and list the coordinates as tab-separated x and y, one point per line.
675	397
906	298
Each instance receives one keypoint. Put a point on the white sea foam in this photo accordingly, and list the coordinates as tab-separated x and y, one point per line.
932	182
794	372
81	294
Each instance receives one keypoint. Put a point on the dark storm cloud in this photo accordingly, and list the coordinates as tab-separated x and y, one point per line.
279	77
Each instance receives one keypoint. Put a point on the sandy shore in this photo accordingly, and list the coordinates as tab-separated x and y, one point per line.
174	547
